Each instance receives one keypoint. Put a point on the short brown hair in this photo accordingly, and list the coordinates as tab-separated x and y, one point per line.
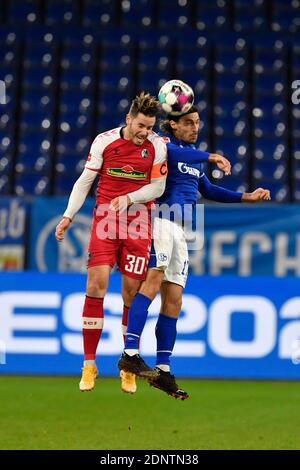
165	125
144	103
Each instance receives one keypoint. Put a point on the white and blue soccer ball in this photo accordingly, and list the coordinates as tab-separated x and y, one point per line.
176	97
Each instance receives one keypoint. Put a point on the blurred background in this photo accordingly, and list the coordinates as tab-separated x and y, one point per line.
68	71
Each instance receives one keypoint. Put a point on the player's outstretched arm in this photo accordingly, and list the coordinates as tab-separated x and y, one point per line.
216	193
258	195
77	197
192	155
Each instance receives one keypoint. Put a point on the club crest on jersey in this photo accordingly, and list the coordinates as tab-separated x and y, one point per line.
144	153
127	172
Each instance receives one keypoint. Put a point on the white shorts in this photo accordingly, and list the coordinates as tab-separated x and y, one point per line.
169	251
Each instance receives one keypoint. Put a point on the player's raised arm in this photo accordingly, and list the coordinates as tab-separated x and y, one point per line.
216	193
81	188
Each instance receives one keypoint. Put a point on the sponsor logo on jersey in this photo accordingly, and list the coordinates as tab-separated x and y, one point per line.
127	172
184	168
144	153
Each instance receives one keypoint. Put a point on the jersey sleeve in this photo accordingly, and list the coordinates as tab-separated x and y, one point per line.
95	157
160	167
186	154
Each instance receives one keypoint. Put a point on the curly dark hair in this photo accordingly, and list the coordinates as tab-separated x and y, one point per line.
144	103
165	125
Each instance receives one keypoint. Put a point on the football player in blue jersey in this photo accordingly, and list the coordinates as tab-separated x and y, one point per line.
168	264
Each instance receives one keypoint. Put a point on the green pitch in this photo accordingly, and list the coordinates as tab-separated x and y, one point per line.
50	413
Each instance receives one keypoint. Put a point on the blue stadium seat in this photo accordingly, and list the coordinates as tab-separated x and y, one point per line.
268	59
285	19
23	11
140	13
191	59
58	12
99	12
231	84
79	79
116	80
268	83
31	184
37	55
270	149
71	163
269	126
5	184
41	100
228	125
110	120
28	162
69	122
269	169
159	60
8	54
76	101
174	13
77	55
36	119
6	164
151	81
117	58
212	17
112	100
296	122
250	19
72	142
63	184
229	60
35	77
234	148
269	105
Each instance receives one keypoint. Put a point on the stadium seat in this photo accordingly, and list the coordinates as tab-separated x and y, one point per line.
58	12
159	60
227	83
140	13
267	83
5	185
77	55
229	182
212	17
63	184
117	58
234	148
269	59
31	184
191	59
174	13
269	126
23	11
270	149
99	12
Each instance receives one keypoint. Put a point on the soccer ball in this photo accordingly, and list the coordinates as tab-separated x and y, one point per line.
176	97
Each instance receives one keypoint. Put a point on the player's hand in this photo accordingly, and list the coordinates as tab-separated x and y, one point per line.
258	195
221	162
61	228
120	203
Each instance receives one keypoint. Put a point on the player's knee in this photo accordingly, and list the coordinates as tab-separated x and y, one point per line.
96	287
172	306
128	295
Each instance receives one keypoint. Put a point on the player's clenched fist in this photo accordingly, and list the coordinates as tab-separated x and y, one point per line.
61	228
221	162
259	194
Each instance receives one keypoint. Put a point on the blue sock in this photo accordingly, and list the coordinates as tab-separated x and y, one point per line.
165	332
137	317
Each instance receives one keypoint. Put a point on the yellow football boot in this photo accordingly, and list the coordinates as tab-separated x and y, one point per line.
89	375
128	383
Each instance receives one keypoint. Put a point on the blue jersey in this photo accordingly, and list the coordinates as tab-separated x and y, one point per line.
184	172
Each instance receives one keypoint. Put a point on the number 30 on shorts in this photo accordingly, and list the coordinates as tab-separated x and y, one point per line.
136	264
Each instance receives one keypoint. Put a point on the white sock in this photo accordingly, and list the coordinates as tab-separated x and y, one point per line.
131	352
163	367
90	362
